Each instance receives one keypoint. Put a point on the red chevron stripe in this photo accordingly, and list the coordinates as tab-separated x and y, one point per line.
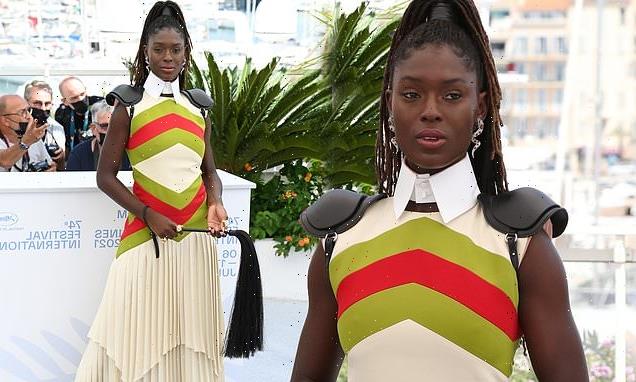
179	216
130	227
161	125
431	271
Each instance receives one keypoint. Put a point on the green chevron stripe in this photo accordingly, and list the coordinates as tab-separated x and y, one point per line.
199	220
163	142
434	311
163	108
435	238
166	195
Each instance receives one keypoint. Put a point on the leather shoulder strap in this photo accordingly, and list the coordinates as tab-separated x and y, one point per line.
198	98
523	212
125	94
336	211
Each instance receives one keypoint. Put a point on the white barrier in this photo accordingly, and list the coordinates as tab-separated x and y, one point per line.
58	234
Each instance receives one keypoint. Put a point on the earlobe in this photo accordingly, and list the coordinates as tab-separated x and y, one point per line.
483	108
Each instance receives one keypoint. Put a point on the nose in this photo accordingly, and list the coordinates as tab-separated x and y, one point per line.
430	111
167	57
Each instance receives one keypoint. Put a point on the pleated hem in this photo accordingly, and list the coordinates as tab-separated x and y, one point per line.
153	306
179	364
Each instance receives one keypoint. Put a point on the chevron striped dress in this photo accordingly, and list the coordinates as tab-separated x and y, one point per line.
420	300
161	319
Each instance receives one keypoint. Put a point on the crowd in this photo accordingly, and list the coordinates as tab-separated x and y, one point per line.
34	139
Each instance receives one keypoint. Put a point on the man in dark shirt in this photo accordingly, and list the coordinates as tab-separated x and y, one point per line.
74	113
84	156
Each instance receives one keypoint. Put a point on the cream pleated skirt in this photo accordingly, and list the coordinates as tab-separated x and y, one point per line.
159	319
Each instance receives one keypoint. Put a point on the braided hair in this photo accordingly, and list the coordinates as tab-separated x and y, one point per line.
164	14
456	24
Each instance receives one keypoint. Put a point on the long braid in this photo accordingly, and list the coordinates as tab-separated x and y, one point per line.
155	21
488	163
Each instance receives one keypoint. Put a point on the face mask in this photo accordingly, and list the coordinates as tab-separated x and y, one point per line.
22	126
40	115
102	137
81	106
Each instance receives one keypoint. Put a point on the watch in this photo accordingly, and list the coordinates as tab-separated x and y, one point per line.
22	145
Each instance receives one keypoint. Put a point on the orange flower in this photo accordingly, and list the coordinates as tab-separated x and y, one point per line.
301	242
306	240
308	177
248	167
288	238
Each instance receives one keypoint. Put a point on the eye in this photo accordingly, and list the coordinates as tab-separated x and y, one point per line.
157	50
176	50
453	96
410	95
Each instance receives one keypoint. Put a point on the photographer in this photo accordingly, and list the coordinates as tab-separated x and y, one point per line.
39	95
74	114
84	157
21	146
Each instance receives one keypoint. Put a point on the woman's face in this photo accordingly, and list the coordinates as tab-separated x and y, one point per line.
166	53
435	102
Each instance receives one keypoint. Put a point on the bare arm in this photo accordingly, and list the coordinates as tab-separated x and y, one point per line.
319	355
108	167
211	179
544	310
10	155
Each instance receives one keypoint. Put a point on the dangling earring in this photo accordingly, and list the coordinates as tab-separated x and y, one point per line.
183	67
147	64
392	129
478	131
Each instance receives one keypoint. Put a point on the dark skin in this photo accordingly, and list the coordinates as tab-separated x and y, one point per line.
434	89
166	55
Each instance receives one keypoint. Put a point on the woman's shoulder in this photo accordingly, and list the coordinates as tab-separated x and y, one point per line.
198	98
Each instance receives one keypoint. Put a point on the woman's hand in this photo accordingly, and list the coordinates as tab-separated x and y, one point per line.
163	227
217	219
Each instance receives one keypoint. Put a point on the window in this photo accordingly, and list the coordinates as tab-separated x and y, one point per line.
557	99
498	49
541	45
521	46
521	100
542	100
498	14
559	71
520	68
561	45
540	72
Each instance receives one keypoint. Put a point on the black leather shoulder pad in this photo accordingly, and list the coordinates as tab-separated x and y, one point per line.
336	211
523	211
125	94
198	98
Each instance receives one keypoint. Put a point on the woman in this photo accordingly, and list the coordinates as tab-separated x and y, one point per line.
422	287
161	317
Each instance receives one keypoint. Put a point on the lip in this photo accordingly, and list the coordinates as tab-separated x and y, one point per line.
430	139
167	68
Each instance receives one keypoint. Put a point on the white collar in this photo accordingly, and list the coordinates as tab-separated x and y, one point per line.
155	86
454	190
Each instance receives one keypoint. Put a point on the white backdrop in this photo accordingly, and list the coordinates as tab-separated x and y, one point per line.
58	235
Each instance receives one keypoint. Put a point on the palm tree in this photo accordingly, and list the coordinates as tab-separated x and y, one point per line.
352	68
259	121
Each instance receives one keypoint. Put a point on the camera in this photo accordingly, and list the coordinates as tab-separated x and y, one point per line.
39	166
51	148
86	134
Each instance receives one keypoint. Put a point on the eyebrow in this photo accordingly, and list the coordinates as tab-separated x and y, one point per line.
445	82
159	43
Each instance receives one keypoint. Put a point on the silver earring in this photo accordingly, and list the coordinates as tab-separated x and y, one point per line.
147	64
393	140
476	134
183	67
